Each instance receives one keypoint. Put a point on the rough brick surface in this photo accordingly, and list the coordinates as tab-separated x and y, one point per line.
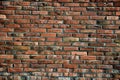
59	40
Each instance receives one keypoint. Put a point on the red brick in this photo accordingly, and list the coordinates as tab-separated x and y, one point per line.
6	56
13	25
14	16
13	7
78	9
54	39
20	65
37	39
36	30
81	0
80	35
88	58
89	13
48	35
63	70
87	49
70	48
55	30
62	53
15	69
118	13
81	17
6	12
78	26
105	31
72	22
71	31
70	66
19	21
95	53
31	52
13	61
6	29
38	57
21	30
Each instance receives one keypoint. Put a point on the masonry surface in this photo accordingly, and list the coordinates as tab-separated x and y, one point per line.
60	40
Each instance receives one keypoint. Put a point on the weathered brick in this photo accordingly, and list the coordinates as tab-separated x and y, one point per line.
112	17
19	21
81	0
70	48
54	65
31	17
65	0
22	12
79	53
40	12
31	52
21	47
2	16
69	39
22	56
72	4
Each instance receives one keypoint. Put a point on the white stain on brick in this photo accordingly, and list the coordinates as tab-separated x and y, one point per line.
2	16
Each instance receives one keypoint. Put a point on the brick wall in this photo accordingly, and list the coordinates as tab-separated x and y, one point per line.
60	40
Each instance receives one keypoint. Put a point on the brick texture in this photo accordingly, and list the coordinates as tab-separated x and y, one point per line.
59	39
